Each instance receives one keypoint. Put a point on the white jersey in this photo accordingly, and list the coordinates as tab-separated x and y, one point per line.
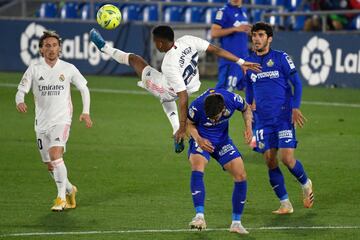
51	89
179	66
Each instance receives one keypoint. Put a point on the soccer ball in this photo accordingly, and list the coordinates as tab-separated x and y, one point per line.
108	16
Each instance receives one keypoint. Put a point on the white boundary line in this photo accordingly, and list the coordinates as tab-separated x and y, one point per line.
173	231
139	92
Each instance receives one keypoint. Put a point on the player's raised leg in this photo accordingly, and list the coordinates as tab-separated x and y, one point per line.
236	168
151	80
133	60
198	164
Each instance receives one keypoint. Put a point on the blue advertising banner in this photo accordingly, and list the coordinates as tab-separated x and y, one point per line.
20	46
323	59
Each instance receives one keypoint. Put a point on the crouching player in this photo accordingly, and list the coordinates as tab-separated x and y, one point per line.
208	124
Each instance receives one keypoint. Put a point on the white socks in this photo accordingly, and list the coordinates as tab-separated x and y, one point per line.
201	215
170	109
116	54
60	177
69	186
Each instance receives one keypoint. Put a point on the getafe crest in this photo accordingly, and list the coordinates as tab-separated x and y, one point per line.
270	63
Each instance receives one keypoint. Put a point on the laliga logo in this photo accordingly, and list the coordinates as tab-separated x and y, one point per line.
316	61
77	48
29	43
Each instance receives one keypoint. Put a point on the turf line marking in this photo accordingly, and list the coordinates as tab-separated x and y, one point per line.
143	92
174	231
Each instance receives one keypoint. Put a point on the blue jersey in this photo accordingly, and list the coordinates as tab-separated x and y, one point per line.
271	88
236	43
217	132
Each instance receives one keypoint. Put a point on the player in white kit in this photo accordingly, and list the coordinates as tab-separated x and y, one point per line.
179	76
50	80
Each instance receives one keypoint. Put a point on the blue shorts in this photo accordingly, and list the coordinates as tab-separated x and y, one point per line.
230	77
223	152
276	135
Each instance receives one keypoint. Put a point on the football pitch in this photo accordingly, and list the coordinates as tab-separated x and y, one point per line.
132	185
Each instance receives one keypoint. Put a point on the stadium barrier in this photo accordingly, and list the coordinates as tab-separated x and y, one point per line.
321	58
21	48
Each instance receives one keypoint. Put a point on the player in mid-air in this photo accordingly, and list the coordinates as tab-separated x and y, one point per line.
278	111
180	75
50	81
208	124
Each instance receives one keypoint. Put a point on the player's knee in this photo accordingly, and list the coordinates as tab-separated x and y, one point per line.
240	176
271	163
136	60
198	164
56	152
289	161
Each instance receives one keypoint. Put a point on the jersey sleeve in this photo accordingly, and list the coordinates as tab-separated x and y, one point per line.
287	64
26	80
173	77
200	44
193	114
77	78
249	92
238	102
220	17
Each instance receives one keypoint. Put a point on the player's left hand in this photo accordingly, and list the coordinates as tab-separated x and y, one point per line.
298	118
256	67
248	134
87	119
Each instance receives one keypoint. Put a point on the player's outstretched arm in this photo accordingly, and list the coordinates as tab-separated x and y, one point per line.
204	144
247	116
231	57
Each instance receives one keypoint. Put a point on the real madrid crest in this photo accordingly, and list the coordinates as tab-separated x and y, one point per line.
270	63
62	78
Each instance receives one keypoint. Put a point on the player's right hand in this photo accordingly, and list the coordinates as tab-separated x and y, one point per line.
243	28
248	134
205	144
256	67
21	107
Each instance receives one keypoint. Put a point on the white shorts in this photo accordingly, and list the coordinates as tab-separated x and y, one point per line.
54	136
154	82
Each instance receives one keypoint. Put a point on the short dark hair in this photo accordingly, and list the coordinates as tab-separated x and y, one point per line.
47	34
214	104
263	26
164	32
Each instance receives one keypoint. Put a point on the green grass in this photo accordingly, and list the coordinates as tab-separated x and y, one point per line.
129	177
